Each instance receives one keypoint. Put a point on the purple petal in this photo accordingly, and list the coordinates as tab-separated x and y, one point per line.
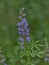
23	21
22	45
21	39
23	33
25	27
20	32
19	17
28	39
27	32
20	29
19	24
26	24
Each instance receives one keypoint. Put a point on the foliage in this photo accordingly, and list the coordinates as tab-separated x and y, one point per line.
29	55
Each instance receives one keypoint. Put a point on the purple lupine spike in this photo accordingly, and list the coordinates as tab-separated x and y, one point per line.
28	39
19	24
21	39
23	29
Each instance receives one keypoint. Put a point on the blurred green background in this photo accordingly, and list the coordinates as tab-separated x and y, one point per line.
37	14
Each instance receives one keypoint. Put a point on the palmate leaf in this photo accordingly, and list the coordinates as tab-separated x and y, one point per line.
33	54
36	46
36	42
40	45
39	54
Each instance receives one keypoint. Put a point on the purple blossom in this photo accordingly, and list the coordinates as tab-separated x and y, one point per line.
21	39
20	29
19	17
22	45
27	32
25	27
23	21
22	42
20	32
26	24
28	39
23	33
23	30
19	24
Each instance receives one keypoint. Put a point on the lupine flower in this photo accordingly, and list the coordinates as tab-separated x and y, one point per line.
22	42
19	17
26	24
20	32
22	45
23	31
23	21
20	29
19	24
25	27
21	39
27	32
28	39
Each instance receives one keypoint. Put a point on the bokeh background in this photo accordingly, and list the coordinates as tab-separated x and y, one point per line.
37	14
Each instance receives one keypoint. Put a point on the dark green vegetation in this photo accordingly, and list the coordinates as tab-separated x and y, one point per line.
37	12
